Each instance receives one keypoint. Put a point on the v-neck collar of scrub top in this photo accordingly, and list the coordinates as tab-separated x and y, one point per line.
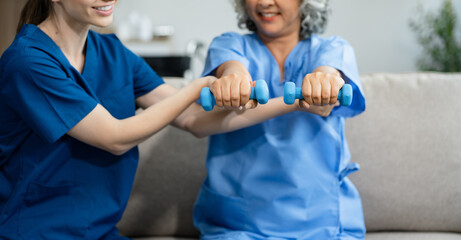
291	67
288	61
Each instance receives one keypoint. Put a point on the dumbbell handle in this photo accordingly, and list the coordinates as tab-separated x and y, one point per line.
259	92
291	93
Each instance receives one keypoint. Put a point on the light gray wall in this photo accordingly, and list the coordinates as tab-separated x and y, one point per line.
192	19
377	29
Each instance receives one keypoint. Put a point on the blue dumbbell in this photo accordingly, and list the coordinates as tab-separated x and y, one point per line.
260	92
291	93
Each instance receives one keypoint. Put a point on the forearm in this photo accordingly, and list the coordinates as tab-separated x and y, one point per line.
234	78
100	129
136	129
202	123
328	69
232	67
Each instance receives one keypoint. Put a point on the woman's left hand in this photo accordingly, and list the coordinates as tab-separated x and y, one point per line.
320	90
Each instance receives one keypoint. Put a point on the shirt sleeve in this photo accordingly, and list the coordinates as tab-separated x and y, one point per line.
224	48
49	101
145	79
337	53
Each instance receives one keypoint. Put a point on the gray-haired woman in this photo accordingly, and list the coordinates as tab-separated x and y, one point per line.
285	178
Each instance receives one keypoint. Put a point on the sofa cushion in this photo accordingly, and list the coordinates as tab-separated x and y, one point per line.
170	172
408	145
413	236
370	236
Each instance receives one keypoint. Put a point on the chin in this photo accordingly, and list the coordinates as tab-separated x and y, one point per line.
103	22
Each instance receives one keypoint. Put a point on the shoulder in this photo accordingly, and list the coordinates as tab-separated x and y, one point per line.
105	41
32	42
108	48
230	35
234	37
237	42
23	57
110	38
30	49
329	42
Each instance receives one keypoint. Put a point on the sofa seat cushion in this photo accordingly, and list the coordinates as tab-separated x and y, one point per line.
170	172
370	236
413	236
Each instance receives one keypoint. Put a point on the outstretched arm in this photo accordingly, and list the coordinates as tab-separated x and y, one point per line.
100	129
233	87
201	123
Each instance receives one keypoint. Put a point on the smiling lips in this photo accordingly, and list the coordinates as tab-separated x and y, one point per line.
268	17
105	10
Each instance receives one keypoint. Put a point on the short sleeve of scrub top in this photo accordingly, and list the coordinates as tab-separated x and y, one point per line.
227	47
49	100
338	53
145	79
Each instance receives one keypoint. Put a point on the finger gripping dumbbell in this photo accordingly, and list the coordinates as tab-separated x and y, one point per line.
260	92
291	93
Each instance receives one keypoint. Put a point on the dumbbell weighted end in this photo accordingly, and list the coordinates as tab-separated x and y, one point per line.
260	92
291	93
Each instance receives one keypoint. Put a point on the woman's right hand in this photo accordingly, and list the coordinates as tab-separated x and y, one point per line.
232	89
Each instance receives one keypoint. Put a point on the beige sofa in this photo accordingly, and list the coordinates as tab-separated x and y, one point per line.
408	143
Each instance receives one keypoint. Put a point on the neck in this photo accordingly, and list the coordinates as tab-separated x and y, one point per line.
69	36
281	47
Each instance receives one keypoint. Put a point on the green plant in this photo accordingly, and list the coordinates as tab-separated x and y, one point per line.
437	35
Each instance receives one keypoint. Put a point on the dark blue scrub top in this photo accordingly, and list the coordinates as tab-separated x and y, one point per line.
51	185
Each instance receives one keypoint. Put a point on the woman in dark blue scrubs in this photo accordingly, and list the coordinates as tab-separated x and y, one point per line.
68	129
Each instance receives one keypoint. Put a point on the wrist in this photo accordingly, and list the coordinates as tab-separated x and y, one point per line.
205	81
198	84
208	81
296	106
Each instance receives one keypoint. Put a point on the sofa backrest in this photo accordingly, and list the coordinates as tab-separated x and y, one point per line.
408	143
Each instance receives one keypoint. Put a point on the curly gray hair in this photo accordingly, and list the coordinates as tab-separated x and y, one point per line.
314	16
